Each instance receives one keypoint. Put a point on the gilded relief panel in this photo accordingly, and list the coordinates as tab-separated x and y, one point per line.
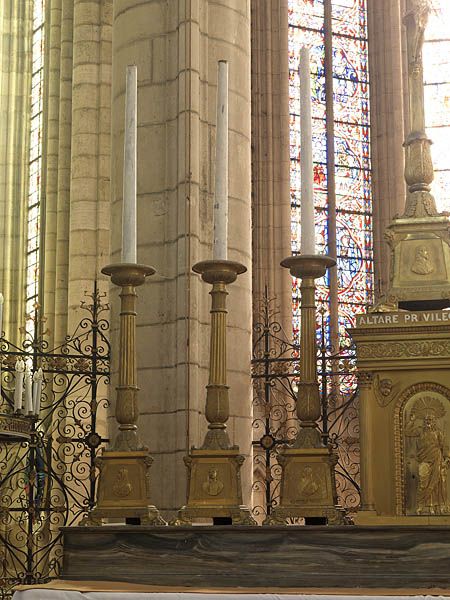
212	482
306	483
422	260
425	425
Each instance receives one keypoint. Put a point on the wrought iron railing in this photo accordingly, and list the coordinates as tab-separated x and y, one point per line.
275	374
49	481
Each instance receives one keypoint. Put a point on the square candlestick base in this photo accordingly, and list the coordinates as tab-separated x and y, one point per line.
307	486
124	490
215	490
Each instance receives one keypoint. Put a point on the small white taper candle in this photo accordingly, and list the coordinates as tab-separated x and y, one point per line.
28	394
37	390
18	389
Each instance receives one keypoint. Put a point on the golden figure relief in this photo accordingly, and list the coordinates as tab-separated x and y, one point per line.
122	486
428	457
423	264
309	485
212	486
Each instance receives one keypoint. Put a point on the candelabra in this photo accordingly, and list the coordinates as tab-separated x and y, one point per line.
214	484
308	487
123	489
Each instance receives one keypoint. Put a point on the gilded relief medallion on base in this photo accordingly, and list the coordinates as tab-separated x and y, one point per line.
214	488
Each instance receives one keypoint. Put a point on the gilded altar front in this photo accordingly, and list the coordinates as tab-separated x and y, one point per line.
403	365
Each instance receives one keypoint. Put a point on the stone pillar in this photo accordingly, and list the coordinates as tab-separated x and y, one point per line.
64	170
53	56
89	223
176	47
15	83
58	130
387	96
270	156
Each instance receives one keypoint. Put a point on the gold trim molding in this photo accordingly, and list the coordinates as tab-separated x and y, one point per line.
418	349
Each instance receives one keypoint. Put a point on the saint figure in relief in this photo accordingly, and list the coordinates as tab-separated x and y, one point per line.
212	486
423	265
432	458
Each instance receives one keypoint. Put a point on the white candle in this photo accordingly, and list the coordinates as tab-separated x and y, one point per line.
37	390
308	245
18	390
221	183
129	234
28	401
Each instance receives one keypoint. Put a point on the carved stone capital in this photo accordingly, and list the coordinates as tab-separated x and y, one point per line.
365	379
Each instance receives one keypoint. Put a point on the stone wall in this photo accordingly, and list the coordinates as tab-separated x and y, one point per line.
176	47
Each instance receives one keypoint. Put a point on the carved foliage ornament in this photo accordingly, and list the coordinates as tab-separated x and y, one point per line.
404	349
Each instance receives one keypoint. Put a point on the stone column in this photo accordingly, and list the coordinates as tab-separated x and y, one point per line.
176	47
53	57
58	130
89	223
15	83
387	101
270	156
64	170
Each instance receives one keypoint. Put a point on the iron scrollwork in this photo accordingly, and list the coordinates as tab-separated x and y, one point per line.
275	376
49	481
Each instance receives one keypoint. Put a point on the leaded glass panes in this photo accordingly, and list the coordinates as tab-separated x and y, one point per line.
436	58
35	158
351	185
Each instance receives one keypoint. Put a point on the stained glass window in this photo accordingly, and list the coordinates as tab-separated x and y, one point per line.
436	58
35	161
336	32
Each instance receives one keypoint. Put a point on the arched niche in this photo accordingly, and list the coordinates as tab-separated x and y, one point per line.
422	450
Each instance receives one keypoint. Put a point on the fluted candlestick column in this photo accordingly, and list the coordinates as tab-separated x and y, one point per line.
308	268
219	273
128	277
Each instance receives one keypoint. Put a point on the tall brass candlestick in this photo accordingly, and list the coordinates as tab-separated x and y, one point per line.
419	240
418	163
214	486
308	486
123	488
